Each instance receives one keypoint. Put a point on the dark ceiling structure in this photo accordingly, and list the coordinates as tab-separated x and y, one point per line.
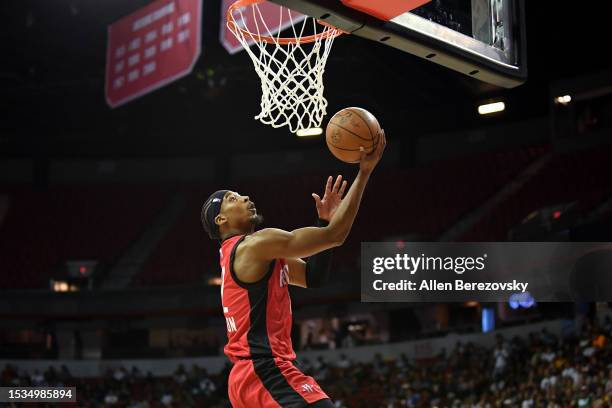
52	81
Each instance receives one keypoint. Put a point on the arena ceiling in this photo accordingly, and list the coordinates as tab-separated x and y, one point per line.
52	81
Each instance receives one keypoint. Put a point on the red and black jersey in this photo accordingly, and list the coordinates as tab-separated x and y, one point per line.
258	318
257	315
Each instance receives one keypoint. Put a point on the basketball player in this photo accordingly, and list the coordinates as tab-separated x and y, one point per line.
256	269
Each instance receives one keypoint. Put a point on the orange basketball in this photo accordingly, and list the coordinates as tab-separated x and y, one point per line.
349	129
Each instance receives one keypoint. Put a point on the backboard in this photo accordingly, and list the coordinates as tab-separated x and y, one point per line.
484	39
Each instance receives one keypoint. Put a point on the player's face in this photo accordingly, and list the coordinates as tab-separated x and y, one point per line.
239	211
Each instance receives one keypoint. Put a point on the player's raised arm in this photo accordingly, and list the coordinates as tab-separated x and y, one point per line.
343	219
272	243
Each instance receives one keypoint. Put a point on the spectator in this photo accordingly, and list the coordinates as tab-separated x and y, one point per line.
462	379
500	356
343	362
180	376
120	373
37	379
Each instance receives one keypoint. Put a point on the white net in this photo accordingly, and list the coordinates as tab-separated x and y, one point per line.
291	73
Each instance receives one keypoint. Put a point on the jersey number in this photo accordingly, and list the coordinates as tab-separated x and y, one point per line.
229	321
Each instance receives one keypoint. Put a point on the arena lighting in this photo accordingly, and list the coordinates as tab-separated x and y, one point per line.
309	132
524	300
556	214
62	286
215	281
563	100
491	108
488	320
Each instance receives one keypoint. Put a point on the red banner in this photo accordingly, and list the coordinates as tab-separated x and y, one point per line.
151	48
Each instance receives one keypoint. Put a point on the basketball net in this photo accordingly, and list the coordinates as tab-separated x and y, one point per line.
291	69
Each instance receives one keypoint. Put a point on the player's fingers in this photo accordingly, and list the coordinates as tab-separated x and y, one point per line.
383	143
384	140
337	184
328	184
341	192
363	152
376	151
317	199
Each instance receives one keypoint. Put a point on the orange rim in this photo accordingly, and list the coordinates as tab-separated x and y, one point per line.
276	40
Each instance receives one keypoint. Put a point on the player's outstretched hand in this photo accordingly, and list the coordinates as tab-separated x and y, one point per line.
369	161
327	206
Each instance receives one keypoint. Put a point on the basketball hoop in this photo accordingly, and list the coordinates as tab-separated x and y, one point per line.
290	68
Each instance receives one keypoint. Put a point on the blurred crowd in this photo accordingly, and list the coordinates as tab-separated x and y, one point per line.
541	370
130	388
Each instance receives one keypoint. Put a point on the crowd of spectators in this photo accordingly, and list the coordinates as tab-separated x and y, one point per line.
122	387
540	370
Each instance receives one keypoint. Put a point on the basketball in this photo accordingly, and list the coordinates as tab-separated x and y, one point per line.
349	129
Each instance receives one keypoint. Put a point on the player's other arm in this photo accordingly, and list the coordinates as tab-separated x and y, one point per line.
297	272
272	243
313	273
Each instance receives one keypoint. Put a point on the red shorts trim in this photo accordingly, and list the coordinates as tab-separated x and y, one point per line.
271	383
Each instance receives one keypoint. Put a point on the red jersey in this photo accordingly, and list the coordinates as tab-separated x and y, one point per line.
257	315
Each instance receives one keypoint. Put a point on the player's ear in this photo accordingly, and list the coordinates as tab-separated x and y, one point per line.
220	219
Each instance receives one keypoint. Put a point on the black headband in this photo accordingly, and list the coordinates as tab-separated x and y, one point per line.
210	210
